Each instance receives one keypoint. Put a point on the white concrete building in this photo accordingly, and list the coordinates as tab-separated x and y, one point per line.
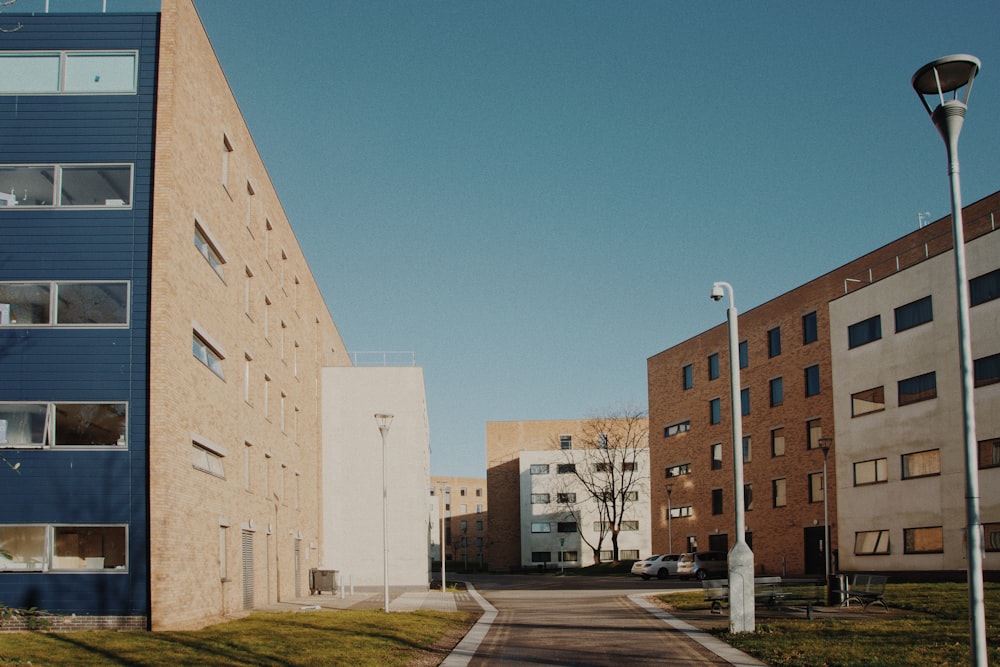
898	415
352	475
559	517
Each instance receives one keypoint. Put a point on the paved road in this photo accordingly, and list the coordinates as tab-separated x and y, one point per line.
556	621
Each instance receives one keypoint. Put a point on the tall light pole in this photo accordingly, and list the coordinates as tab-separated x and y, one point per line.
949	75
670	516
824	444
384	421
742	615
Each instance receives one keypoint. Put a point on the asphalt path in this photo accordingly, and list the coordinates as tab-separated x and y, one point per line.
582	622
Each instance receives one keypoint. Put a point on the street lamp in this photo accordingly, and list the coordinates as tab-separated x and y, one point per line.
384	421
949	75
670	532
824	444
442	504
742	616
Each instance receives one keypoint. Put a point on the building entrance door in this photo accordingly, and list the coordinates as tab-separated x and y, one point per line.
814	550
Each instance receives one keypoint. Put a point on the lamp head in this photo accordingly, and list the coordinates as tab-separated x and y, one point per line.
946	75
717	292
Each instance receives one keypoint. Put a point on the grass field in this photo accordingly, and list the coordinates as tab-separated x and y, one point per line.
356	638
934	631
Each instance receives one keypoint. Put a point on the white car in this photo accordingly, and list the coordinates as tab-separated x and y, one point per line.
660	566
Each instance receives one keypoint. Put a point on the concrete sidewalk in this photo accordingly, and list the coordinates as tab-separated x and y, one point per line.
370	600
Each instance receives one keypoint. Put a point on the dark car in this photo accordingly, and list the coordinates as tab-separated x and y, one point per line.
703	565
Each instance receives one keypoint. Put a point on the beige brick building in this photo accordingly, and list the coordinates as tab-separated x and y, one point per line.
460	509
258	308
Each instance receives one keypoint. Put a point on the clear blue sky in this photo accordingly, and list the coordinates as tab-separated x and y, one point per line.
534	197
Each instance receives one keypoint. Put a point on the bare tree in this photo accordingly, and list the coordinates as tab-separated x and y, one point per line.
607	466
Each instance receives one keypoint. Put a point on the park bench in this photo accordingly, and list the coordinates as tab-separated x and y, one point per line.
866	590
766	590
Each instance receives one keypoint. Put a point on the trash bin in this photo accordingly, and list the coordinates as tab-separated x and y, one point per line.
322	580
835	587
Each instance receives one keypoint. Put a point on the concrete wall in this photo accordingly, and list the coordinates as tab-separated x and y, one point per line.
352	475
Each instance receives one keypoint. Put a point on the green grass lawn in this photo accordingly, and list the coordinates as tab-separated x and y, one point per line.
356	638
934	631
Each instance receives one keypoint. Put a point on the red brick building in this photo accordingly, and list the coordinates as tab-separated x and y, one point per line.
787	391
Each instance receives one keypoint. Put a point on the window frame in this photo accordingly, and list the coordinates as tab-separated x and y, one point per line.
54	288
540	498
677	428
10	203
715	411
919	388
534	469
984	288
864	332
776	391
910	539
880	471
988	453
64	57
210	249
859	399
540	527
687	376
810	328
986	370
713	366
931	455
813	386
779	492
775	437
213	353
773	342
49	430
881	546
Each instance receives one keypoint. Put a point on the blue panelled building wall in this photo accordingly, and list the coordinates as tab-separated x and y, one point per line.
76	148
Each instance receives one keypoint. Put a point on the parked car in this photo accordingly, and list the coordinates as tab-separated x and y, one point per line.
660	566
703	565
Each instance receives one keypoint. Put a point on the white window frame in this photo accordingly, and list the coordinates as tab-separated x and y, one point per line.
53	295
49	433
66	55
207	351
207	456
209	248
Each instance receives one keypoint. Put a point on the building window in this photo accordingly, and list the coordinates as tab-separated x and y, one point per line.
630	496
716	453
541	556
565	468
744	354
922	464
565	442
688	376
36	425
68	72
69	304
992	536
565	498
539	498
678	470
774	342
919	388
681	512
248	466
566	527
814	431
716	501
989	453
875	471
602	440
914	314
864	332
923	540
713	366
207	457
986	370
810	328
981	289
746	449
779	492
816	493
871	542
714	411
208	249
65	186
675	429
777	392
745	401
628	526
89	547
227	151
568	556
536	469
206	353
479	492
812	380
868	401
541	527
778	441
748	497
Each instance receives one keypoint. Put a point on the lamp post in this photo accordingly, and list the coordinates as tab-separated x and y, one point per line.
949	75
442	503
742	616
824	444
670	516
384	421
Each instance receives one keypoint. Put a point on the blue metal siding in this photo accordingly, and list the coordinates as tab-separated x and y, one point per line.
64	364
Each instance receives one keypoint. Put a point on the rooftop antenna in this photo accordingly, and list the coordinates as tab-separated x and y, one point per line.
922	218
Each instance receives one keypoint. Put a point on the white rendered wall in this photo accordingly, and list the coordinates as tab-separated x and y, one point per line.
352	475
937	500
